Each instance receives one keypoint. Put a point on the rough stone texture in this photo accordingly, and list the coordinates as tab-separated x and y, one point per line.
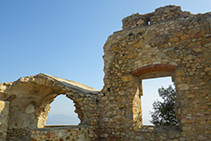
68	133
167	42
30	99
4	112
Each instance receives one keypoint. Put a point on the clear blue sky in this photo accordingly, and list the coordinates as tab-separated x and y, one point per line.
65	38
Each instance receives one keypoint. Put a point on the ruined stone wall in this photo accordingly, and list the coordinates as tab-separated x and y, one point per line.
68	133
4	115
167	42
30	99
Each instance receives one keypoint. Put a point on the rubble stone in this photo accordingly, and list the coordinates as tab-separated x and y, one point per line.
166	42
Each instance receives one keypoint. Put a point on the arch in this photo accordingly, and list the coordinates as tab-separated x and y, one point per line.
62	112
30	99
44	109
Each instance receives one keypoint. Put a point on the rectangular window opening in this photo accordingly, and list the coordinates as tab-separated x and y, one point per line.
150	95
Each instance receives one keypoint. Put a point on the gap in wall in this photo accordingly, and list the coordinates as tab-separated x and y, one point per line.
62	112
150	94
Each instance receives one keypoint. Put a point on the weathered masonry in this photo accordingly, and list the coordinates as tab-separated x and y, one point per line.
166	42
29	101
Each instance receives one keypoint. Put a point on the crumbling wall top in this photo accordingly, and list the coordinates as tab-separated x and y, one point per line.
162	14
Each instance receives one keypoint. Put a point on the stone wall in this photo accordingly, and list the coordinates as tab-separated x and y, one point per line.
31	97
158	134
167	42
64	133
4	115
162	14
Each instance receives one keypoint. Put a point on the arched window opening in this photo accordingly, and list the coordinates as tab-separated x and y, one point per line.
62	112
150	94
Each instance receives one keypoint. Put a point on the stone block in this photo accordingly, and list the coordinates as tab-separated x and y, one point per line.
127	78
183	87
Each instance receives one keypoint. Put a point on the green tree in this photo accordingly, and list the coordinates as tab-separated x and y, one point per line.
164	112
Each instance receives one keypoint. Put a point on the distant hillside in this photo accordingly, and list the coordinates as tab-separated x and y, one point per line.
62	120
